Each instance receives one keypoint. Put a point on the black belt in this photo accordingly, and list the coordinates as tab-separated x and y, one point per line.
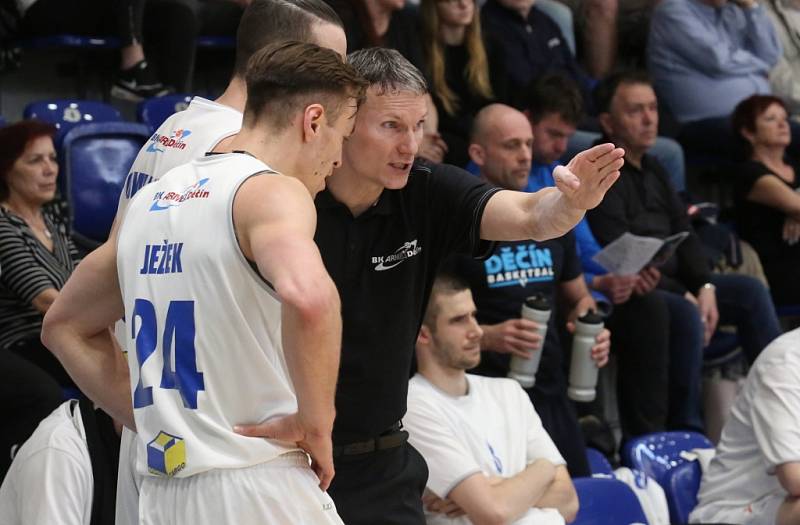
391	438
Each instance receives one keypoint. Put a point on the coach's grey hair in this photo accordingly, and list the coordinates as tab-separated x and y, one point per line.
388	70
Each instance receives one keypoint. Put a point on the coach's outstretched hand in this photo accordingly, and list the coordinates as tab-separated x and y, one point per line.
590	173
293	429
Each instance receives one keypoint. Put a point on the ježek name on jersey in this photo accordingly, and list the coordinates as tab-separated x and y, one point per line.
162	258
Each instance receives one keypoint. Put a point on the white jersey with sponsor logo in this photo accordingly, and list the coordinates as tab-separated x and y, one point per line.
203	328
184	136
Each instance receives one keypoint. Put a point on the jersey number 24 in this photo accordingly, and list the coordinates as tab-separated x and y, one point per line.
179	332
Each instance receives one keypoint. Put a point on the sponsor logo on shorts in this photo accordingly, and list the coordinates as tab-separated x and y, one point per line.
160	143
166	454
405	252
163	200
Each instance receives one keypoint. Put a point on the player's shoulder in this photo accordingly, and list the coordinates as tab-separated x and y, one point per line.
60	431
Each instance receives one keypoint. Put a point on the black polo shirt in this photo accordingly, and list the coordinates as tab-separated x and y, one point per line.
383	263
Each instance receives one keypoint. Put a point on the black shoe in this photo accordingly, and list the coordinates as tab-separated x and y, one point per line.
137	83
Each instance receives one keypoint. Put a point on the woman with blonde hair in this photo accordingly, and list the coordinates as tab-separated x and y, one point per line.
465	72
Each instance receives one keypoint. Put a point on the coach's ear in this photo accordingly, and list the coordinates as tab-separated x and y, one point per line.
313	120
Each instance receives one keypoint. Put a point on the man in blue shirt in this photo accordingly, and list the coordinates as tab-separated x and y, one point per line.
706	56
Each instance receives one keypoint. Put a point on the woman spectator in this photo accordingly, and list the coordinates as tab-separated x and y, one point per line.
768	204
465	74
36	254
380	23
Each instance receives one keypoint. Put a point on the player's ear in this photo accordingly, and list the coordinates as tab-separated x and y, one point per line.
424	335
313	120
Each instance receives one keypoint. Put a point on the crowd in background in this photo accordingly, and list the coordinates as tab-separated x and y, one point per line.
516	87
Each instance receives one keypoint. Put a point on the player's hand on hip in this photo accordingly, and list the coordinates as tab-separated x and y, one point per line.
590	173
293	429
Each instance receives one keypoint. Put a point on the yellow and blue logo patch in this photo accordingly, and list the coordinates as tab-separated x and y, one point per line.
166	454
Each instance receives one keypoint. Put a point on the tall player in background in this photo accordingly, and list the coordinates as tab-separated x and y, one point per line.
211	125
230	309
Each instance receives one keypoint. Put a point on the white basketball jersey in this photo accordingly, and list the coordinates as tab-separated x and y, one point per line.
184	136
203	328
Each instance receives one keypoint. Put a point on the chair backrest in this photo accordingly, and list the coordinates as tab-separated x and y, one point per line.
606	500
655	454
598	463
97	158
680	487
66	114
70	41
219	42
152	112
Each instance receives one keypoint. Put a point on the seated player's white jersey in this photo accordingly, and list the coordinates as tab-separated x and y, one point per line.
203	327
184	136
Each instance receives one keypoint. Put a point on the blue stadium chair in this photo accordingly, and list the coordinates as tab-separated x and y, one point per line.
97	158
68	113
69	41
680	486
598	463
152	112
656	454
220	42
606	501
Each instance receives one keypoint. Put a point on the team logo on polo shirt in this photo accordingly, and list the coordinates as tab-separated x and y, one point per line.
406	251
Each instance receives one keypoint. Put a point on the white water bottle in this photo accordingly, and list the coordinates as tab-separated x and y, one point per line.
583	370
537	309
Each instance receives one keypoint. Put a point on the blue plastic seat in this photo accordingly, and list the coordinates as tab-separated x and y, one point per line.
71	41
680	486
598	463
656	454
223	42
606	501
97	158
67	113
152	112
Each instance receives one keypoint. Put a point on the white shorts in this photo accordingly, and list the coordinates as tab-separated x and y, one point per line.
761	512
128	480
282	491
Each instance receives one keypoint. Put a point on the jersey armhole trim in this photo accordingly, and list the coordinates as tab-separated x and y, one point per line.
250	266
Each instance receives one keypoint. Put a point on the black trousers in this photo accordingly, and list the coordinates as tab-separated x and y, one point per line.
640	341
167	28
380	488
27	395
120	18
561	422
